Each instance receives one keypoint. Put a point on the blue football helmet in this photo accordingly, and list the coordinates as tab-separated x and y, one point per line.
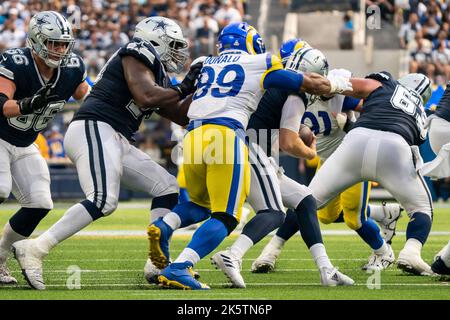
240	36
289	47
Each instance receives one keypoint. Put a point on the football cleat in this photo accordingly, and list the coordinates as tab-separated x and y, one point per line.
179	276
331	277
441	252
151	272
230	266
158	244
439	267
30	261
392	212
265	263
412	262
380	261
5	276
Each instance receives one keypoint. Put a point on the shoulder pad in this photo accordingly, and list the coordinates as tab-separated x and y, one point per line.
382	76
11	61
141	51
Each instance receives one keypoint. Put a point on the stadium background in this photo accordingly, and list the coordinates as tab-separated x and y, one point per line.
360	35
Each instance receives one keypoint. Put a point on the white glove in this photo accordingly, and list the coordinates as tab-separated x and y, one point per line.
339	84
341	119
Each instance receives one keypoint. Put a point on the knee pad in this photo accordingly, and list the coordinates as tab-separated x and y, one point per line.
229	221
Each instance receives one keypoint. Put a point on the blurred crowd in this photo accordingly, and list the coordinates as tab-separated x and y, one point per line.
101	27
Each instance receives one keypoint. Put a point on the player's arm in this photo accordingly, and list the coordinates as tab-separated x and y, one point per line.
289	139
362	88
177	114
81	92
8	105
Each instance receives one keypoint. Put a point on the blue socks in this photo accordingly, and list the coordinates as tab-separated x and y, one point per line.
370	233
419	227
208	237
262	224
191	213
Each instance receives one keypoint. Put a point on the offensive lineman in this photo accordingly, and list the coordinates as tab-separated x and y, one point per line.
132	85
35	83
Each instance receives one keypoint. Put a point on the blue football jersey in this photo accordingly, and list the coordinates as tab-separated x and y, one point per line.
111	101
443	107
394	108
19	66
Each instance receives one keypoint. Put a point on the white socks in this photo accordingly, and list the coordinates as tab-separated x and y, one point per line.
241	246
320	256
74	220
158	213
413	245
277	242
173	220
188	255
382	249
9	236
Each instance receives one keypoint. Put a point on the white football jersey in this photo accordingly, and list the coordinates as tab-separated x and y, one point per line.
319	118
231	86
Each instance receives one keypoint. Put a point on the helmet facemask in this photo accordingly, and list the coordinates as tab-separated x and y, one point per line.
174	54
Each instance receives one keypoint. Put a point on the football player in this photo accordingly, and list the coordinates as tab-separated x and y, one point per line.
274	125
131	85
35	83
215	154
382	146
351	205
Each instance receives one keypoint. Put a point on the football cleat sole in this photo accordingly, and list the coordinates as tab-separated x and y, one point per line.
171	284
156	254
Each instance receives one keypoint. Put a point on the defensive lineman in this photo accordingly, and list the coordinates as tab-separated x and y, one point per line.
35	83
130	87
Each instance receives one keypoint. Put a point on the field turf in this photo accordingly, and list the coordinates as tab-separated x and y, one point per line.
112	254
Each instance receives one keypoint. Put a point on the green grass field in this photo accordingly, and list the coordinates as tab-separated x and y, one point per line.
111	265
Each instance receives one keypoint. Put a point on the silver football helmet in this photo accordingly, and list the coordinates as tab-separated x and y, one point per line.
419	83
308	59
167	38
50	37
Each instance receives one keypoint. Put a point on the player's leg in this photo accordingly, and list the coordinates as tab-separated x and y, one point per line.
227	181
181	178
9	236
386	215
439	135
265	198
397	173
441	264
96	150
354	202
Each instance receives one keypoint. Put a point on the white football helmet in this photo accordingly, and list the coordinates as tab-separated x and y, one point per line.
308	59
47	31
419	83
166	37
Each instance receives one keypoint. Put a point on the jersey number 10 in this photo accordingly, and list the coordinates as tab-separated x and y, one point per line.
208	73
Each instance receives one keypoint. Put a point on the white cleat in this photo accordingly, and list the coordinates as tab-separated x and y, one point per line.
266	261
392	212
151	272
230	266
440	253
5	276
412	262
331	277
30	261
380	261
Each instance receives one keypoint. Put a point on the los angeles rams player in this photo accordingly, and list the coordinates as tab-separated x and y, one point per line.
352	204
216	161
35	83
130	87
274	125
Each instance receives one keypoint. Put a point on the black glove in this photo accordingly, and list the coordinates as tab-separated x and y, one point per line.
187	86
39	100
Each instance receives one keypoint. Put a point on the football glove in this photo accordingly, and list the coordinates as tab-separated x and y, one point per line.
339	84
187	86
39	100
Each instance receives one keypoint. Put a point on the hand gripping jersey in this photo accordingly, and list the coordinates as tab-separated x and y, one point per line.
111	101
231	86
19	66
394	108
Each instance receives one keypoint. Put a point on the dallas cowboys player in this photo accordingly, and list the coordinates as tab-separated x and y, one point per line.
130	87
274	125
35	83
382	147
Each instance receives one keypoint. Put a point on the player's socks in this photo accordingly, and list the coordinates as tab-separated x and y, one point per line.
262	224
308	222
8	238
242	244
207	238
277	241
184	196
375	212
75	219
163	205
289	226
320	256
419	227
172	220
370	233
189	255
189	213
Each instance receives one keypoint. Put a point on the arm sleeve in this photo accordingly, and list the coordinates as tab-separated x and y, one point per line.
292	113
350	103
283	79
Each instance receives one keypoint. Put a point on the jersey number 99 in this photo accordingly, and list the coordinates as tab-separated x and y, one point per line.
208	78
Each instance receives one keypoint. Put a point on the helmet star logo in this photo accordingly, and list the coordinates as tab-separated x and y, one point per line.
161	25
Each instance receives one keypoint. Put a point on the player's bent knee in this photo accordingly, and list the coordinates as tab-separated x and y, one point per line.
110	205
167	186
40	201
325	219
352	223
228	220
